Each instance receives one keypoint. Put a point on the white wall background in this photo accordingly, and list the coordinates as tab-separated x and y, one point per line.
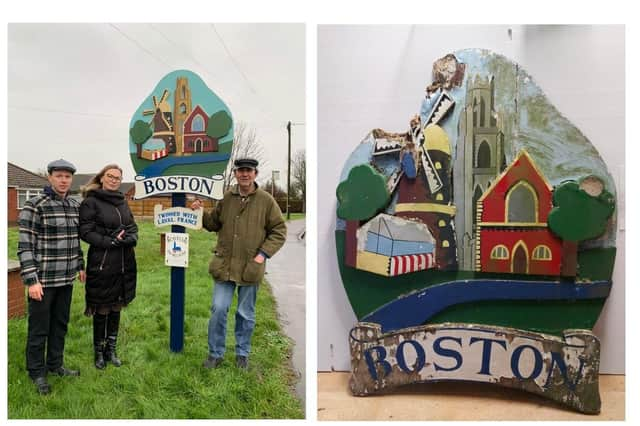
374	76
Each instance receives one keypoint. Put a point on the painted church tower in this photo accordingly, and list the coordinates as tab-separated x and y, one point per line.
181	110
481	157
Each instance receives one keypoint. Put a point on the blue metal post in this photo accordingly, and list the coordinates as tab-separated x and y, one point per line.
176	333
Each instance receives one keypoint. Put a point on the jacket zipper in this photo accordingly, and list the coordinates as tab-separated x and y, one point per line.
104	257
122	248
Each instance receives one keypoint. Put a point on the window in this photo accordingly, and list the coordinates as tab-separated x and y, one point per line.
499	252
522	203
197	125
483	160
183	109
25	194
542	252
476	196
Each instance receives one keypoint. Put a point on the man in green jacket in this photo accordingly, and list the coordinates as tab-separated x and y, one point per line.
250	230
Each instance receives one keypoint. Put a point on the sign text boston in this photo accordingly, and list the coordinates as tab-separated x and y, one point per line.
207	187
565	370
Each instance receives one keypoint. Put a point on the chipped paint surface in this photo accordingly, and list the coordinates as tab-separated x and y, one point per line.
562	369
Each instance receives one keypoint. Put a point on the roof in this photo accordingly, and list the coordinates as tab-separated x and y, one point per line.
22	178
523	156
79	179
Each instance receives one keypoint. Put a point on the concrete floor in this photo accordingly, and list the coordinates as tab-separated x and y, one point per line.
457	401
286	275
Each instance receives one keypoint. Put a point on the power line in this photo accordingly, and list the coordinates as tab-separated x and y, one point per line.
180	48
235	63
147	51
59	111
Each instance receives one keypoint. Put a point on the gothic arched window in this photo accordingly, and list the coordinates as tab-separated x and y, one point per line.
476	196
522	203
475	112
484	155
197	125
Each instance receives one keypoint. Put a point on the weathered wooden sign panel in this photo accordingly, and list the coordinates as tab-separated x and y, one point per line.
562	369
489	210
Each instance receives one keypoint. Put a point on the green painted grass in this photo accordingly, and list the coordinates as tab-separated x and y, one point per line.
154	382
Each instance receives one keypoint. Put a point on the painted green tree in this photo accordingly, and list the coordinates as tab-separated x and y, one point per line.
360	197
581	212
219	125
363	194
140	133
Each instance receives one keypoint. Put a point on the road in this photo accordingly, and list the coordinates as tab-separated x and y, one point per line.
286	274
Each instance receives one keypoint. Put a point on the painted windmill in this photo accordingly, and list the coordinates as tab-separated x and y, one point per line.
162	121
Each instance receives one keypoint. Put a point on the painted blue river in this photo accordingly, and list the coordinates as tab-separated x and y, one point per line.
416	308
161	165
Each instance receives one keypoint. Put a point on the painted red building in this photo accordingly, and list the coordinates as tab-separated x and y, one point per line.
195	132
513	236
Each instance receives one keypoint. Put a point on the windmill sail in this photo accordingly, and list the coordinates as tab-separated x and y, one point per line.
443	105
433	179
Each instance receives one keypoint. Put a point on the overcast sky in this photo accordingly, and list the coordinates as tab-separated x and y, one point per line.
73	88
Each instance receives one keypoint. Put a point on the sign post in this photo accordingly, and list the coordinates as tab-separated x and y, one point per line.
176	331
180	141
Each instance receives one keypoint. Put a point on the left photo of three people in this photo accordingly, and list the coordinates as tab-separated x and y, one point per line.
156	235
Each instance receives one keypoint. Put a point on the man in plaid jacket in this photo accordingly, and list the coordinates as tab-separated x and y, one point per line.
50	258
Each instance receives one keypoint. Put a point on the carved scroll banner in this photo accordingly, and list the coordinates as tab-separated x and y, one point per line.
562	369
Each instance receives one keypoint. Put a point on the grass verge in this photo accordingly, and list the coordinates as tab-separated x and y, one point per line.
153	382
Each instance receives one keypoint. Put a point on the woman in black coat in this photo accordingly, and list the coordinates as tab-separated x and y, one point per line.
106	223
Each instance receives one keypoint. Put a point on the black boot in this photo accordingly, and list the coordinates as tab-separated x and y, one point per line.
113	323
99	339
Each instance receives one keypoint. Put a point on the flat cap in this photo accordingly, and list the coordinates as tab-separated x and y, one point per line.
61	165
249	163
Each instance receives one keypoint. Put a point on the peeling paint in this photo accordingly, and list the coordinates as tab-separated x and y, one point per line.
564	370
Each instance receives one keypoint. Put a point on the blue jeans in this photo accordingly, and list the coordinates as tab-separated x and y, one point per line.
245	317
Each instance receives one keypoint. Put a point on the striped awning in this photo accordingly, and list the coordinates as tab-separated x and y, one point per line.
399	265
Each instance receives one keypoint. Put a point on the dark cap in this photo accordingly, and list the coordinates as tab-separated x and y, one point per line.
61	165
248	163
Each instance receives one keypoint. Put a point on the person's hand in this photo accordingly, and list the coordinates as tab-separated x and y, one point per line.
36	292
82	276
259	258
197	204
118	233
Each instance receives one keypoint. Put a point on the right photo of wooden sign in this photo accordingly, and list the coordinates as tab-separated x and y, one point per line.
477	243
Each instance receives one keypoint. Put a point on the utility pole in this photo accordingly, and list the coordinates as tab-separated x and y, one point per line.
275	174
288	169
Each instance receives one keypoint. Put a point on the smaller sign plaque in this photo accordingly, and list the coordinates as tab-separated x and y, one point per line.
177	249
180	216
